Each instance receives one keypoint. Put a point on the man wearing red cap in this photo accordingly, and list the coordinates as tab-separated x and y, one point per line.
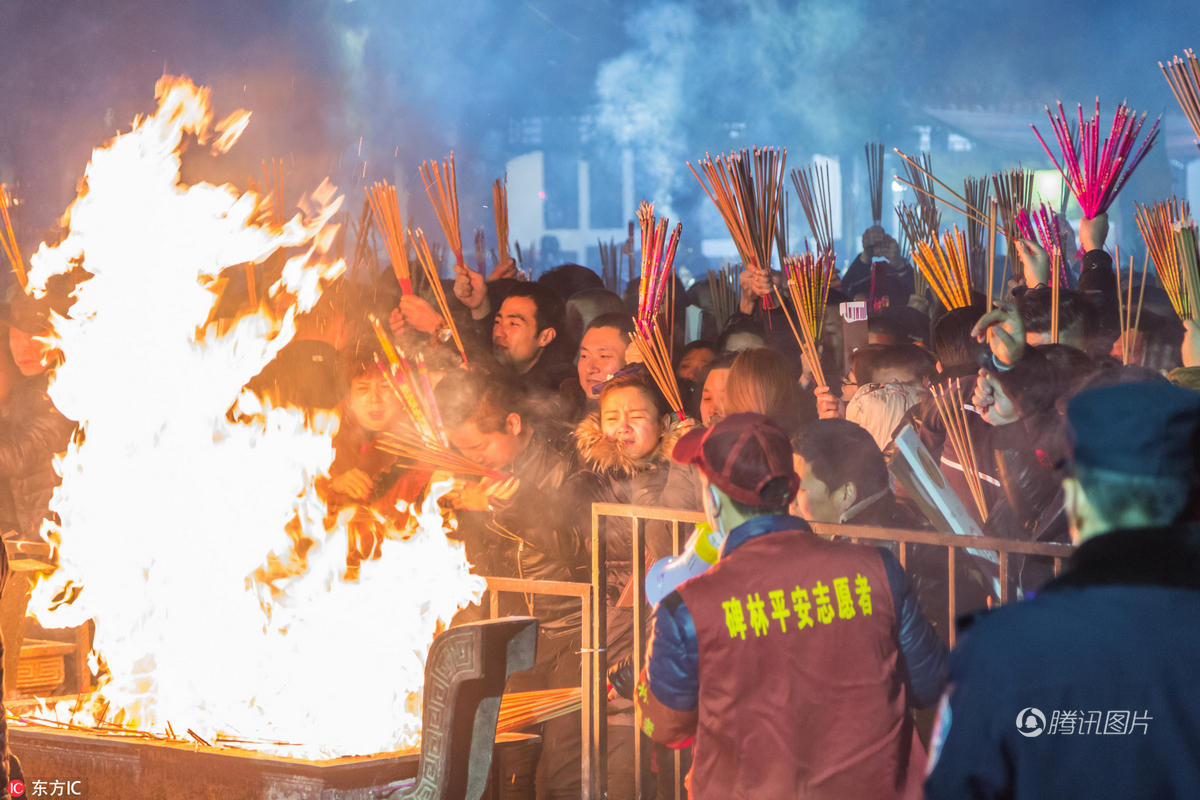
793	661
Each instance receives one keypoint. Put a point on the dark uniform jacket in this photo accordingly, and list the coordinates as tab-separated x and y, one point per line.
793	662
1089	689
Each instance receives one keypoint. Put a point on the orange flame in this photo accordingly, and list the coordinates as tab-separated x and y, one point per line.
178	492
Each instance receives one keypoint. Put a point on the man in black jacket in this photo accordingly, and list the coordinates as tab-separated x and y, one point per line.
1088	690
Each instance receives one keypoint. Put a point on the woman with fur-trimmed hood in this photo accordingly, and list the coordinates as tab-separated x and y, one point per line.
625	449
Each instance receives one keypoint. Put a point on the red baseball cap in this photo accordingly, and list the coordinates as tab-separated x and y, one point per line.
741	455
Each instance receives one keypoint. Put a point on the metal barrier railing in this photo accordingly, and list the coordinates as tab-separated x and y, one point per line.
593	673
639	515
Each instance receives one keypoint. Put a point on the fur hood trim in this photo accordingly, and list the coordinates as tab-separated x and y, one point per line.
608	456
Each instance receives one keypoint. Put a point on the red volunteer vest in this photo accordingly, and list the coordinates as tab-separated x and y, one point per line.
801	694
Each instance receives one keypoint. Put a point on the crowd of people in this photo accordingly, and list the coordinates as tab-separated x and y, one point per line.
555	397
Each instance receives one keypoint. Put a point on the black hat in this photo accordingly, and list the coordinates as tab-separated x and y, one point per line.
1149	429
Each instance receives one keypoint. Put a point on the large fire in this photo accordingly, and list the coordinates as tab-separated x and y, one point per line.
180	486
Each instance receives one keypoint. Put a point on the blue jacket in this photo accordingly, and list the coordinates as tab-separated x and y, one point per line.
672	668
1088	689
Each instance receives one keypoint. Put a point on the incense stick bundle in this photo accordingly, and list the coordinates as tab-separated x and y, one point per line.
944	265
524	709
425	258
1156	223
917	223
976	191
1185	247
725	289
1183	76
364	247
441	186
809	278
1129	322
874	151
655	286
610	265
746	188
948	398
500	210
8	240
385	209
1014	191
1096	171
781	229
410	447
813	189
1040	226
921	180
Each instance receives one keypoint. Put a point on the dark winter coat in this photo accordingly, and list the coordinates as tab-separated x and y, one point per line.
1106	656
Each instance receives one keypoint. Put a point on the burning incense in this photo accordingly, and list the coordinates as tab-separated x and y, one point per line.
948	398
809	278
425	257
444	179
812	187
655	287
746	188
1156	223
725	289
944	265
385	208
8	241
500	210
874	151
1096	171
1183	76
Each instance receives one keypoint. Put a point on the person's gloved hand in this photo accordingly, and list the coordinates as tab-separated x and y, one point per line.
621	678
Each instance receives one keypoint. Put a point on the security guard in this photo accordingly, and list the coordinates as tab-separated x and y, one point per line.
1089	689
793	661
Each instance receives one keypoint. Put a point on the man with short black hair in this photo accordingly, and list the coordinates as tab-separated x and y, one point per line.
525	331
792	662
1088	689
844	478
